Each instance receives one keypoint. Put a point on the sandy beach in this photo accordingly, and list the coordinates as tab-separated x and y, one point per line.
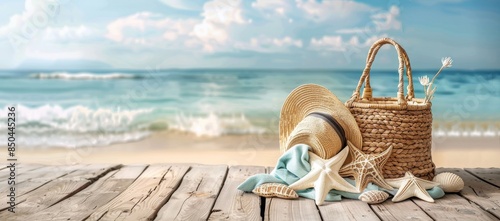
260	150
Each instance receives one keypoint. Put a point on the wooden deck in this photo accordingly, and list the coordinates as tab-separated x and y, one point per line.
202	192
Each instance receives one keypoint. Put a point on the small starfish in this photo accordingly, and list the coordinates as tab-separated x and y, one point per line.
410	185
324	176
366	168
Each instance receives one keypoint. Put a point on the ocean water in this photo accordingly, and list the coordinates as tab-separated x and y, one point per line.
95	108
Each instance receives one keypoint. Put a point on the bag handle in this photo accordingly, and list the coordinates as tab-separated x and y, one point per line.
410	90
365	77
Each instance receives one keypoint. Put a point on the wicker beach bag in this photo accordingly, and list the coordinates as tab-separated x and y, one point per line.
404	122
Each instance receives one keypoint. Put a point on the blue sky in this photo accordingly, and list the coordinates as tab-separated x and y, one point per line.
328	34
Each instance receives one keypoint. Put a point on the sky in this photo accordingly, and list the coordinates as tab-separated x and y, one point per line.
257	34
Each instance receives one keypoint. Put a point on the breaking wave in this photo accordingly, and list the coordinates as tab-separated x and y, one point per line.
213	125
84	76
76	126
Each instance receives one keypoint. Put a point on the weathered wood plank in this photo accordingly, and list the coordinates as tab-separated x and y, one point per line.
234	204
79	192
298	209
143	198
484	194
405	210
453	207
285	209
58	189
267	201
21	169
347	209
490	175
34	179
82	204
196	195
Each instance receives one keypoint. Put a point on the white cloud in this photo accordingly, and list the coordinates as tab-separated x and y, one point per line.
435	2
280	11
269	4
337	43
287	41
336	9
351	31
372	39
210	33
223	12
67	33
354	41
328	43
146	27
380	24
14	23
277	6
268	45
218	15
36	16
191	5
387	20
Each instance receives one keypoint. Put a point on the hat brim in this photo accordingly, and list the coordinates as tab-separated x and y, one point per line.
310	98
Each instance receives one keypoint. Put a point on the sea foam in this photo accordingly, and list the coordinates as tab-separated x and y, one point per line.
466	129
83	76
76	126
213	125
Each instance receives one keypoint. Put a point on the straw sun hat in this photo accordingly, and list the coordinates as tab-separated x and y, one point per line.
314	116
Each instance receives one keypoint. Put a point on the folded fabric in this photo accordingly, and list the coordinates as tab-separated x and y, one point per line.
293	165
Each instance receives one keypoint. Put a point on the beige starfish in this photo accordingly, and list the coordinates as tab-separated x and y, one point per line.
366	168
324	176
410	185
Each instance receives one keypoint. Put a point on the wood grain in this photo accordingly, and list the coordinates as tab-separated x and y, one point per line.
453	207
21	169
143	198
82	204
490	175
347	209
404	210
34	179
38	173
297	209
201	192
234	204
58	189
284	209
196	195
484	194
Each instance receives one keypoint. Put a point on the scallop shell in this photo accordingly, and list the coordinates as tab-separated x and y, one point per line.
449	182
275	189
373	196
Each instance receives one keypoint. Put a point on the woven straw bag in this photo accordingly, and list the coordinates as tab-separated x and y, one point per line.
404	122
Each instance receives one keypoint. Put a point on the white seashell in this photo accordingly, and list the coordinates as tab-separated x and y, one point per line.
449	182
275	189
373	196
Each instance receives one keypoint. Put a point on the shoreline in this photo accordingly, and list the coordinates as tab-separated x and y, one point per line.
260	150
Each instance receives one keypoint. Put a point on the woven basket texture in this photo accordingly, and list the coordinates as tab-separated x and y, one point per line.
403	122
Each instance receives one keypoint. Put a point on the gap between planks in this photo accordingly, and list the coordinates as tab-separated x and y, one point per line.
477	191
479	200
196	195
234	204
144	198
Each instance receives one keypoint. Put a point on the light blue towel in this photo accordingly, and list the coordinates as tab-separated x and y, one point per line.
293	165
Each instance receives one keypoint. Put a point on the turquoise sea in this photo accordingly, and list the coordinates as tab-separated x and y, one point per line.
93	108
